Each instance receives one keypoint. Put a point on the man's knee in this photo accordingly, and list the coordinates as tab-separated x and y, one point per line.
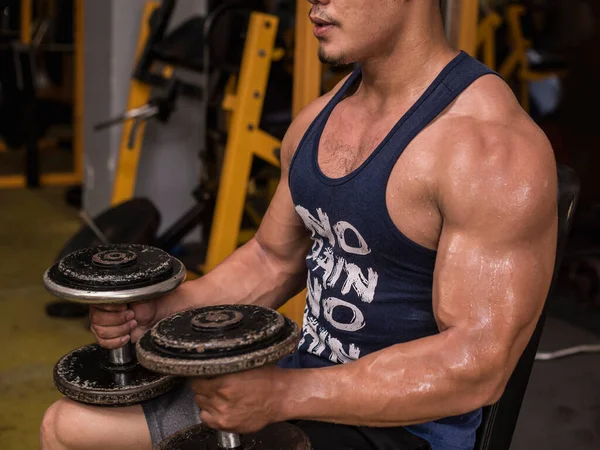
68	425
60	429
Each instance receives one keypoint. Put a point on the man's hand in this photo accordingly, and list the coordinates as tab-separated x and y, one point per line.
243	402
115	325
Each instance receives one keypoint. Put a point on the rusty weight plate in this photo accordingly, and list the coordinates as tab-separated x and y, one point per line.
114	274
85	375
278	436
216	340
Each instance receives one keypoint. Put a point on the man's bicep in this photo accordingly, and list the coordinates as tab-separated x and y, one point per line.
281	233
482	279
494	265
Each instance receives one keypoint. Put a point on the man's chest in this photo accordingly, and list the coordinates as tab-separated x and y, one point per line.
347	144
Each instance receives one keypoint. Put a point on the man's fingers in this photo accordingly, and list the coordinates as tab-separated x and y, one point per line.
205	387
104	333
145	312
202	401
206	417
113	343
212	419
103	318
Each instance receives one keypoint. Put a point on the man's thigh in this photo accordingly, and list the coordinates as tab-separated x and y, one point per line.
328	436
72	425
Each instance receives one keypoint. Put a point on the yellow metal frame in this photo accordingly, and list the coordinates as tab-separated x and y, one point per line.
462	22
517	59
76	176
139	95
307	67
486	38
26	17
246	140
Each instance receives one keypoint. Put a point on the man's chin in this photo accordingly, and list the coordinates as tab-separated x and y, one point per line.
331	59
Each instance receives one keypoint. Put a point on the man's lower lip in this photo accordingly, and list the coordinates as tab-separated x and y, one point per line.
322	30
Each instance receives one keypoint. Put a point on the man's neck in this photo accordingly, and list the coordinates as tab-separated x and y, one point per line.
403	73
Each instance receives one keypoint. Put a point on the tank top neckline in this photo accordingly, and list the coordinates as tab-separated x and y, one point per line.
336	100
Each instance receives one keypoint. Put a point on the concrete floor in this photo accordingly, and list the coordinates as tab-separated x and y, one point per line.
561	409
33	227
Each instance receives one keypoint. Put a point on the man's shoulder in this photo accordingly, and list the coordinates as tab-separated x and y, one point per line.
494	150
486	123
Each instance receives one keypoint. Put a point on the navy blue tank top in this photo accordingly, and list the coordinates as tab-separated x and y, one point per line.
369	286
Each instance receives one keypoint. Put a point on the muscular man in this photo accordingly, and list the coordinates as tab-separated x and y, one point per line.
422	200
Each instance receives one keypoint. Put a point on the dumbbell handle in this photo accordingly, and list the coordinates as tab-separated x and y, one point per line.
228	440
121	356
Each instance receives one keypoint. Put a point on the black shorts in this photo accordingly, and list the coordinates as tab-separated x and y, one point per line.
328	436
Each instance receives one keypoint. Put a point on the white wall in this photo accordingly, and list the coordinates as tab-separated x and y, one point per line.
169	163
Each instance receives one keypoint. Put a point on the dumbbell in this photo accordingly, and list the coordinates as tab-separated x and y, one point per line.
219	340
112	274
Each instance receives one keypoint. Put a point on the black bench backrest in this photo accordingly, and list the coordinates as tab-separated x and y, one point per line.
500	419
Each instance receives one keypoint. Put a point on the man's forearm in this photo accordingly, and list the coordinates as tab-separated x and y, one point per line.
247	276
410	383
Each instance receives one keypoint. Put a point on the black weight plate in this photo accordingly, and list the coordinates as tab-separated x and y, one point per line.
82	375
115	266
204	331
193	363
277	436
63	287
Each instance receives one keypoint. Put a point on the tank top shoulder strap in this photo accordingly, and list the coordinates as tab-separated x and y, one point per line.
449	84
464	73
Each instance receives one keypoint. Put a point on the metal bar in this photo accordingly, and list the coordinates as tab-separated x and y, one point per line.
509	65
265	147
12	181
59	179
462	19
468	28
228	440
486	38
121	356
307	67
49	179
92	225
79	94
139	94
254	74
570	351
26	17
